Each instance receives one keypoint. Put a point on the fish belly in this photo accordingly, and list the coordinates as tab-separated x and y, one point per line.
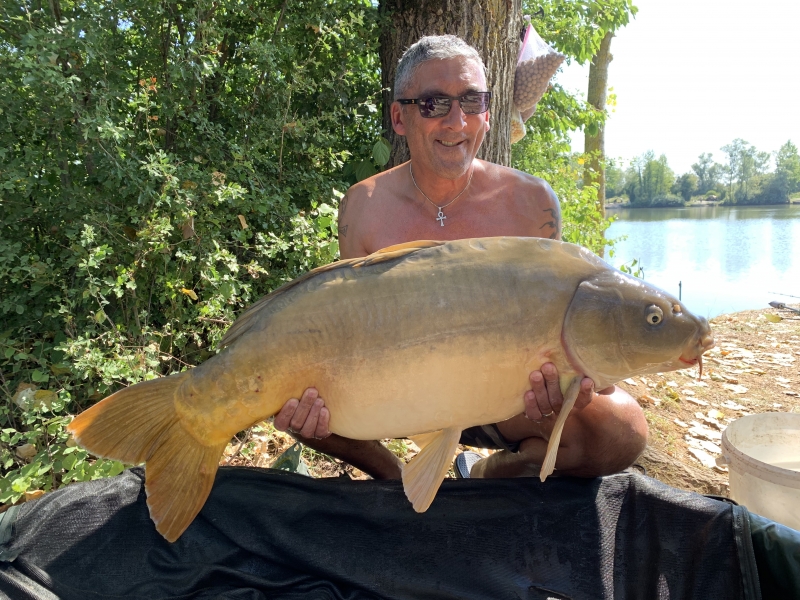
417	390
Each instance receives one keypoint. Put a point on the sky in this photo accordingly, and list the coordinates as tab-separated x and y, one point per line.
693	75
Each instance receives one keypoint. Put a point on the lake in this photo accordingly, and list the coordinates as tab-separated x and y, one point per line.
727	258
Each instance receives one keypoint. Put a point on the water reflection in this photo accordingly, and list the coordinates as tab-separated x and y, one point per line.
728	258
782	247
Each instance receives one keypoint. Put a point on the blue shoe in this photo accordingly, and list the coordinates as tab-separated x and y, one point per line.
463	464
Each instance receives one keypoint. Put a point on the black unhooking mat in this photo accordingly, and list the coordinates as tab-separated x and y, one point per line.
276	535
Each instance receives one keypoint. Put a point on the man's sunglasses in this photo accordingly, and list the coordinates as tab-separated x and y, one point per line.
472	103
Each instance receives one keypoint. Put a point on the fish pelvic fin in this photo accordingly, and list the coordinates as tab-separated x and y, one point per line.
424	474
570	396
140	424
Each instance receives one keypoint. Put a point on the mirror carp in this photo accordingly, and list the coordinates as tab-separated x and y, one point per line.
421	338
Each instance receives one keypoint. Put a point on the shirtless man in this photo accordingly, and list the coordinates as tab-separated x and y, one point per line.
445	193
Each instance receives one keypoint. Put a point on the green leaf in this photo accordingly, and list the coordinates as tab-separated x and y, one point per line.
381	151
365	170
60	369
592	129
20	484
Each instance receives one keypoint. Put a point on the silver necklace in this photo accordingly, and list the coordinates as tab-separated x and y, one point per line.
440	217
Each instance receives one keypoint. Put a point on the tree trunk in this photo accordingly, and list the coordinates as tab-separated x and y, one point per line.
492	27
594	145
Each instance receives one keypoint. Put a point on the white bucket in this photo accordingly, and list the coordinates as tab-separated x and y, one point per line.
763	457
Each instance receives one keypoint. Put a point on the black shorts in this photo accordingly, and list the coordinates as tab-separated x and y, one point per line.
487	436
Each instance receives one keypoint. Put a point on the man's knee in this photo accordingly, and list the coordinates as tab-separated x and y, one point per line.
613	442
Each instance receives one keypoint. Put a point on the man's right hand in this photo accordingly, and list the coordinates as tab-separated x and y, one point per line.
306	417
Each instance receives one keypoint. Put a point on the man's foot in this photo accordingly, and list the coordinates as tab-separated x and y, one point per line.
463	464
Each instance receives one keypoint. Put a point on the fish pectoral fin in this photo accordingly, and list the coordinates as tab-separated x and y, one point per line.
424	474
570	396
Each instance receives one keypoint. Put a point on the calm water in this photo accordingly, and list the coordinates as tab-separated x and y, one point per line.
728	258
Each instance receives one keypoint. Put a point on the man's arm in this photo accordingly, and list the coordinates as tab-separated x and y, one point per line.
351	239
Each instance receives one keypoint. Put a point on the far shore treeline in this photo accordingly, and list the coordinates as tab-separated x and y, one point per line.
746	176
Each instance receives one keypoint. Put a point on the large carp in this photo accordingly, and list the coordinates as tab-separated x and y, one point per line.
426	337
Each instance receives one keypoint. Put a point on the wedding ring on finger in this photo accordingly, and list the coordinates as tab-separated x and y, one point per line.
550	414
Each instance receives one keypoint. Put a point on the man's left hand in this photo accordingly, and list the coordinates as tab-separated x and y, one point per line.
544	399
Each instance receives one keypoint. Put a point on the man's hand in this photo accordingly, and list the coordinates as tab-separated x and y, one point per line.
544	399
306	417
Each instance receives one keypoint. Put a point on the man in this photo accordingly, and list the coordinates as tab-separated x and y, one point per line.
445	193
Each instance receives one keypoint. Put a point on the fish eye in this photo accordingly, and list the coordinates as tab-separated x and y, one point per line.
676	309
654	315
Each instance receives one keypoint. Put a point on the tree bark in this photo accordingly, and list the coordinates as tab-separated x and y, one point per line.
594	172
491	26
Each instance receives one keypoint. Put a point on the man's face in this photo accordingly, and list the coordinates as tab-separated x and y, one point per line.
446	145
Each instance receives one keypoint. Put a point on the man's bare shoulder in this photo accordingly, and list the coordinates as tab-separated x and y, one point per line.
530	199
382	184
523	185
363	203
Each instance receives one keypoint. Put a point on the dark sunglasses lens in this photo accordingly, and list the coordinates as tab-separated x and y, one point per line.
475	104
434	107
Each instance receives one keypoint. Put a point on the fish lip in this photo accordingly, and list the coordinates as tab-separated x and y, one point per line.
691	362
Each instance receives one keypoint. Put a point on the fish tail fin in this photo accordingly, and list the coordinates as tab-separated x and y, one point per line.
140	424
179	479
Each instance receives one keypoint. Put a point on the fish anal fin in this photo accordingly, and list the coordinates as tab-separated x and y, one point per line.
570	396
424	474
178	480
423	439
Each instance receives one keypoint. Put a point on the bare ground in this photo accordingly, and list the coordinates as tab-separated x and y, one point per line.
754	368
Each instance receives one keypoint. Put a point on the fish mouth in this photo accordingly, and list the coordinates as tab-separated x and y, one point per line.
690	362
704	343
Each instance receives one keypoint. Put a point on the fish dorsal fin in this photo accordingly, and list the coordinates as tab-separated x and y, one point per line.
243	322
416	245
424	474
392	252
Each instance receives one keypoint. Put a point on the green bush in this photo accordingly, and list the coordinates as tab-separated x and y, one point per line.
545	152
662	200
161	166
